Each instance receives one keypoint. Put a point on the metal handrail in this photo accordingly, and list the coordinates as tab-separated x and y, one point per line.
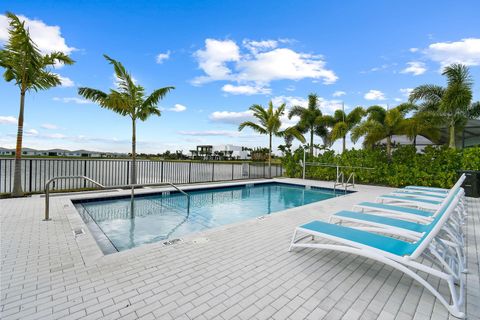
132	186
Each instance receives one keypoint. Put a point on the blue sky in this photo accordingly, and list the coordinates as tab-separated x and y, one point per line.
223	56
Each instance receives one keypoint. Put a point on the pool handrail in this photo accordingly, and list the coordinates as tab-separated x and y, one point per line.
132	186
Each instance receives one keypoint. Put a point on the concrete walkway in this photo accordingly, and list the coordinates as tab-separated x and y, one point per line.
239	271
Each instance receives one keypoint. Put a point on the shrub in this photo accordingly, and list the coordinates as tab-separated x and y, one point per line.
435	166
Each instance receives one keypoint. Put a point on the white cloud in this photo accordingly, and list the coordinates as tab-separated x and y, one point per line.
212	60
256	46
284	64
231	117
406	91
465	51
413	49
178	108
415	67
66	82
49	126
31	132
398	99
161	57
209	133
374	95
71	100
48	38
245	89
55	136
264	62
8	120
290	88
339	93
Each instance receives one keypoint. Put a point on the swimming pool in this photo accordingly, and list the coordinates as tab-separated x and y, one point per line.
168	215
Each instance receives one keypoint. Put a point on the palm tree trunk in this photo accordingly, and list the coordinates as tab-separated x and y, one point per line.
270	157
451	142
133	175
389	147
17	178
344	143
311	141
415	141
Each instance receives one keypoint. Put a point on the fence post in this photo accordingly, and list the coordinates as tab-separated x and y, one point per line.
84	173
213	171
249	170
161	176
128	172
232	171
30	176
190	172
264	169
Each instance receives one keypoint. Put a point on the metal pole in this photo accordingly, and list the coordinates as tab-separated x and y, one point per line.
132	197
304	163
47	202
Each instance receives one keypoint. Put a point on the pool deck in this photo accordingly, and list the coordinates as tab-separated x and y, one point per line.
239	271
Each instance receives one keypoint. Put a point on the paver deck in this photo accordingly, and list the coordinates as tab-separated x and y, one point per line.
239	271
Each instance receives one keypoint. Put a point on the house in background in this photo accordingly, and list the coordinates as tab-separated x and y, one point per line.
220	152
62	153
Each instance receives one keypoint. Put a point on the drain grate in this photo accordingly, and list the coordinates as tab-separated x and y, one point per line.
170	242
78	231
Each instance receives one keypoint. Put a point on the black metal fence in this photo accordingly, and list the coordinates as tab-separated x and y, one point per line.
36	172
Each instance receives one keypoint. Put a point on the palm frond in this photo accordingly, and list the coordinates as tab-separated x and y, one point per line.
157	95
252	125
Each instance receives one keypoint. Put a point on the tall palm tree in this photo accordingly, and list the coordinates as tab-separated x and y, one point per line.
128	99
453	102
311	119
380	124
30	70
342	123
269	124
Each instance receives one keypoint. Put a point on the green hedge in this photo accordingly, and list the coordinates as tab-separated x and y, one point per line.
435	166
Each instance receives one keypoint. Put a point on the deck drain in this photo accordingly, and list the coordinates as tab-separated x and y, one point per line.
200	240
170	242
261	218
78	231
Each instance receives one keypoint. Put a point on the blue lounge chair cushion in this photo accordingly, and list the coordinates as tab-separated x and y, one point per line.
384	206
429	189
410	199
377	241
398	223
413	194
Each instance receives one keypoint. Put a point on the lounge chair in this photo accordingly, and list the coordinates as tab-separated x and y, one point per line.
403	255
420	202
451	233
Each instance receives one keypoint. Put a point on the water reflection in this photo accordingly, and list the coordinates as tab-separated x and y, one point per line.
159	217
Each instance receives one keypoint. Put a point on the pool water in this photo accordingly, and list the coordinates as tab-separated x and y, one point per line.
163	216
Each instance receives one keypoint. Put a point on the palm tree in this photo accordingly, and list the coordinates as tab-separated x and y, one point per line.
380	124
269	124
343	123
423	123
30	70
311	119
127	100
453	102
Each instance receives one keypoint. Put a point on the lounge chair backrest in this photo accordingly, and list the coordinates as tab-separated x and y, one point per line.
437	224
451	193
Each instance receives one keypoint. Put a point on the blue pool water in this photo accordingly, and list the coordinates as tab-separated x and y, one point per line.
163	216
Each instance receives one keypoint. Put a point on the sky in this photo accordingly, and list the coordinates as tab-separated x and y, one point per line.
224	56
